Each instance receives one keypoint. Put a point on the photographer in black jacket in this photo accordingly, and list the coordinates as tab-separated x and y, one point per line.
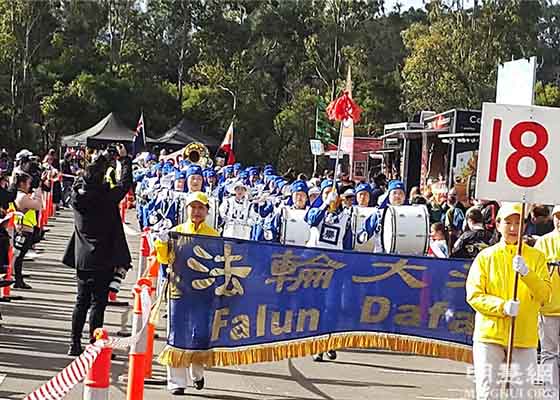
98	245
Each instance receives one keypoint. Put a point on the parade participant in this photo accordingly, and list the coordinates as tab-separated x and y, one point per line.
489	289
237	168
179	183
549	320
298	201
111	173
348	198
197	211
313	193
235	212
195	180
475	239
330	228
396	196
28	203
254	177
363	194
97	247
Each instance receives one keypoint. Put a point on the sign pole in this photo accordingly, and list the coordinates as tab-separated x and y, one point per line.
515	286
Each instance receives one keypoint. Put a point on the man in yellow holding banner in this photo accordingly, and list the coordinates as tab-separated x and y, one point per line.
197	210
489	291
549	321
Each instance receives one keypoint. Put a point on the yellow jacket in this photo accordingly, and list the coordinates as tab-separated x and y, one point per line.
188	227
549	244
490	285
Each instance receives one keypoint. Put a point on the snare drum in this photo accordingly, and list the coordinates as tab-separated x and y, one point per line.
405	230
293	228
236	230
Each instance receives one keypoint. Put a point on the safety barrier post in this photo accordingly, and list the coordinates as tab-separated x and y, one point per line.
137	354
98	379
144	252
50	199
153	274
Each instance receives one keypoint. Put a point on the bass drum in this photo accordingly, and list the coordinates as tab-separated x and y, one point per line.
405	230
359	215
213	212
237	231
293	228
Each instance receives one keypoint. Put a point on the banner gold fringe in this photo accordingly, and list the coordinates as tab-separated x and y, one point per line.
179	358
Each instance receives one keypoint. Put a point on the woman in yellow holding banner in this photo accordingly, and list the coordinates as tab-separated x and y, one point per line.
489	290
549	321
197	210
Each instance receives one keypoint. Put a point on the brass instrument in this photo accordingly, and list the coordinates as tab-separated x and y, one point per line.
197	153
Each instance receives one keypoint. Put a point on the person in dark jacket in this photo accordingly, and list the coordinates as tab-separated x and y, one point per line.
98	245
475	239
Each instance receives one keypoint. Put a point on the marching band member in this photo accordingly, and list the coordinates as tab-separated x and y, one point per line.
549	320
237	168
197	210
195	180
396	196
235	211
313	193
348	198
329	229
363	195
489	288
297	201
179	183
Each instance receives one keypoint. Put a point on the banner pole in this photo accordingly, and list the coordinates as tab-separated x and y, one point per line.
515	286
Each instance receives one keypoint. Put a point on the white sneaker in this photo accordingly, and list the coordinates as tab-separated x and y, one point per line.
31	254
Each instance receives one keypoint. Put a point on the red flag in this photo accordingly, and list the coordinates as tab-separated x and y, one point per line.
343	108
227	146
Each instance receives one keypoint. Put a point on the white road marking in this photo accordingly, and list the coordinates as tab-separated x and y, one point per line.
439	398
2	378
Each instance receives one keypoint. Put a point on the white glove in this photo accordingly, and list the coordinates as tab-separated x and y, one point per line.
162	236
362	237
511	308
520	266
332	197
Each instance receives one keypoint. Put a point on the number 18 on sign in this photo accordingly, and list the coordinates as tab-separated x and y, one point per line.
519	155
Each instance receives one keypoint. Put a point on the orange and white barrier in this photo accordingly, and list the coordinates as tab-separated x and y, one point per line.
137	354
98	379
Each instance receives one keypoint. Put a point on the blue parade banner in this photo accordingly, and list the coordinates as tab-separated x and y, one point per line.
236	302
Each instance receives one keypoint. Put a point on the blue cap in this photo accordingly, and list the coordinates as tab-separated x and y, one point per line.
299	186
363	187
180	175
394	185
157	167
243	175
209	173
253	171
326	183
194	170
237	167
281	183
228	169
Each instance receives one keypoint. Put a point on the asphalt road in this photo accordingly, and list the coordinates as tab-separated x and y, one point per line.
34	338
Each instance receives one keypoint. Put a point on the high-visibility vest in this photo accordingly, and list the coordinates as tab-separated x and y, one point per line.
110	177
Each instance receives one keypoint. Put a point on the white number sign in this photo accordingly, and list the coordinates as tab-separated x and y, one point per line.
519	155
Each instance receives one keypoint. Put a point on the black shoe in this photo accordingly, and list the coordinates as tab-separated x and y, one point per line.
75	350
21	285
318	357
178	392
199	385
331	354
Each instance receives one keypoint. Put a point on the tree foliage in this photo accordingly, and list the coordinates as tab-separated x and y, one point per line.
65	64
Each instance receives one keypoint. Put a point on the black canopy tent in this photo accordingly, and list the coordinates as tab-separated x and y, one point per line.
183	133
109	130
